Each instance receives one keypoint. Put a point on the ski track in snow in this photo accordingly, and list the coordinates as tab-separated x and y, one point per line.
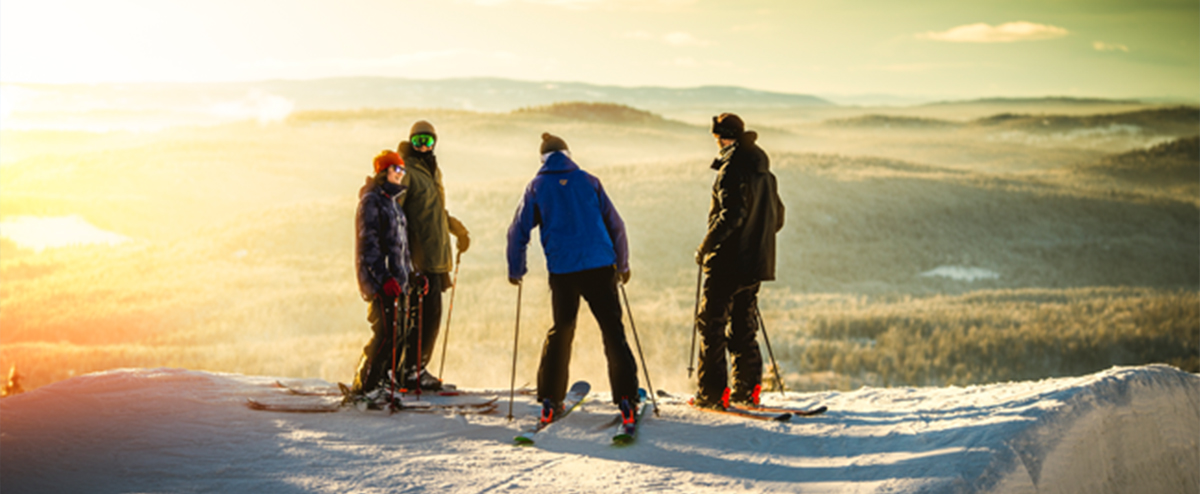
1127	429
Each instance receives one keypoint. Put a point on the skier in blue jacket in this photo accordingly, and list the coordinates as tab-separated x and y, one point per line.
586	250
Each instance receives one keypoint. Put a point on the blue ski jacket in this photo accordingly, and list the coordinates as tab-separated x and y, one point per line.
580	227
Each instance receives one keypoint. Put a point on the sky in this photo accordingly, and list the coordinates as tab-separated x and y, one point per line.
981	48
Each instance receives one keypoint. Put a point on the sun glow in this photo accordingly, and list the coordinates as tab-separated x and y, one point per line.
44	233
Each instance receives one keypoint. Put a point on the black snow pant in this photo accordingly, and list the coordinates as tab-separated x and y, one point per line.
380	354
727	300
425	320
599	288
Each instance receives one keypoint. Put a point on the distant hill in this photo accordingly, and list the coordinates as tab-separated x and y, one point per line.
891	121
1178	120
489	94
1046	100
1171	163
1172	121
598	112
476	94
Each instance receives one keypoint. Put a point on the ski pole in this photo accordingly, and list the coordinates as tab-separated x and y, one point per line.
695	321
449	312
645	369
420	327
761	326
395	306
512	385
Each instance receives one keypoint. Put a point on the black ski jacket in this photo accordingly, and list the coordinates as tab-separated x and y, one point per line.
745	215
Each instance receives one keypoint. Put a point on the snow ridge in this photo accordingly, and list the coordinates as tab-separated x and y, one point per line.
1126	429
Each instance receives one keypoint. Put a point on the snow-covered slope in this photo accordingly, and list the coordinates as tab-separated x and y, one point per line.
1129	429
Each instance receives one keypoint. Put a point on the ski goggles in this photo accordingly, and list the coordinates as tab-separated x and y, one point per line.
422	140
398	169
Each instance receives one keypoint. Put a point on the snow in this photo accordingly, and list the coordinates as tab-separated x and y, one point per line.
960	273
1126	429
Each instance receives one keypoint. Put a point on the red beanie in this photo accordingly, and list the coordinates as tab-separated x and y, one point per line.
387	158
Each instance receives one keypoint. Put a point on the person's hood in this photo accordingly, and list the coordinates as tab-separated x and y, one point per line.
747	143
558	162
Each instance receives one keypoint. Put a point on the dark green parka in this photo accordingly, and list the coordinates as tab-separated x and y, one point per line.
429	225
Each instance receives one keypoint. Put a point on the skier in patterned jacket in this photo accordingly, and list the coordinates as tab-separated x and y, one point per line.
382	262
587	254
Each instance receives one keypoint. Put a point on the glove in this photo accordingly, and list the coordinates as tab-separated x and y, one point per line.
514	281
699	257
462	237
391	288
625	277
463	242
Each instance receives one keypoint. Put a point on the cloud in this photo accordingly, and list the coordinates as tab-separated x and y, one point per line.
589	4
677	38
683	39
1102	46
1004	33
691	63
642	35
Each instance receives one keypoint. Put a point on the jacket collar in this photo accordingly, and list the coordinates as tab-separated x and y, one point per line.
414	159
558	162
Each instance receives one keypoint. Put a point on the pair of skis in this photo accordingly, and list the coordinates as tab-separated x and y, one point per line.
439	402
766	413
487	406
755	412
626	427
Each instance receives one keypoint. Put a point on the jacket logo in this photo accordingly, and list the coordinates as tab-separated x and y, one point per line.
562	182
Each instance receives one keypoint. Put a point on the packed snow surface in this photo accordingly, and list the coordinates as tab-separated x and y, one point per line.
1127	429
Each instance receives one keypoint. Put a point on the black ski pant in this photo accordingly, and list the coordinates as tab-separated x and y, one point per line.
599	288
380	354
728	322
425	320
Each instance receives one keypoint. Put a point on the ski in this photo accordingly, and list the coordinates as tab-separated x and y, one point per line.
420	407
798	412
759	411
629	423
308	391
293	407
335	391
574	397
749	414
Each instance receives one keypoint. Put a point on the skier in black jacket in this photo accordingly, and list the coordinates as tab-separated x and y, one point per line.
737	253
383	265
